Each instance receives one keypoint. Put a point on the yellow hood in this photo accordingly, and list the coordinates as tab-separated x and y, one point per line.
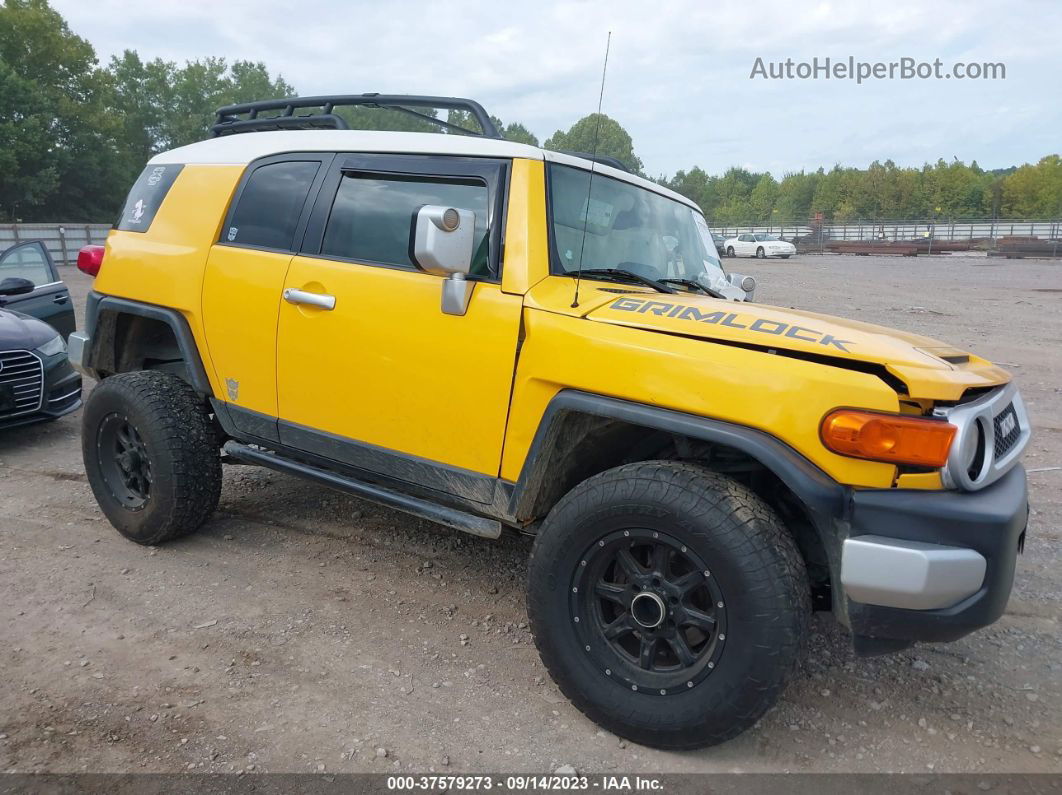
930	369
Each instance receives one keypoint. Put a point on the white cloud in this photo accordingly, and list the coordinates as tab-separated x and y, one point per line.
678	75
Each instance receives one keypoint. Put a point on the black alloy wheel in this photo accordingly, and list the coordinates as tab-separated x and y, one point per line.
651	608
124	461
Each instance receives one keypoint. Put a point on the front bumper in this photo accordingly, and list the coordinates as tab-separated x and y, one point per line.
931	565
61	393
78	349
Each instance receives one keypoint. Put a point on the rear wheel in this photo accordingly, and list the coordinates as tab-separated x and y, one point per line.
151	455
668	603
760	253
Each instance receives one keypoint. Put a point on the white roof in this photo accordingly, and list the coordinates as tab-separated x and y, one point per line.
241	149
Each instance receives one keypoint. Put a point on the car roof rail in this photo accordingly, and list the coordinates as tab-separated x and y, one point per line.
604	160
244	117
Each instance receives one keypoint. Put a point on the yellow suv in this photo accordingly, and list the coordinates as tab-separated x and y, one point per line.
494	336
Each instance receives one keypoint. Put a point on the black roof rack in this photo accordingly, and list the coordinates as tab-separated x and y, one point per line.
232	119
605	160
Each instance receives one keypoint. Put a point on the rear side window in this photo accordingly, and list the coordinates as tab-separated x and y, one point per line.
268	208
372	217
146	197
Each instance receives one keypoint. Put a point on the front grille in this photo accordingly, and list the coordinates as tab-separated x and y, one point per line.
1007	430
21	383
59	399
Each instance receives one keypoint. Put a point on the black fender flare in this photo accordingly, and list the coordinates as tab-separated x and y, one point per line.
196	373
825	498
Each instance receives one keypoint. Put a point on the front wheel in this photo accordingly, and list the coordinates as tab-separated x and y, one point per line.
668	602
151	455
760	254
730	251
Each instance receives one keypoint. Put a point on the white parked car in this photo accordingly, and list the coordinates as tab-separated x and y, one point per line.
758	245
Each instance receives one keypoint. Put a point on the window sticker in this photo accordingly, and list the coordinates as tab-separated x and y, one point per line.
146	196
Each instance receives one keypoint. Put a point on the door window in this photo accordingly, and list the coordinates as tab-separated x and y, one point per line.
270	204
372	217
27	261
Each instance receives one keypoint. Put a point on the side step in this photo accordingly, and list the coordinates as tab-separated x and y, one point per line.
451	517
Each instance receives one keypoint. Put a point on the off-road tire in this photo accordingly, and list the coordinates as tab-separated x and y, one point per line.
753	560
173	429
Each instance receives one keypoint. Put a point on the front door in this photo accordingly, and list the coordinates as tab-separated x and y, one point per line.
50	299
380	378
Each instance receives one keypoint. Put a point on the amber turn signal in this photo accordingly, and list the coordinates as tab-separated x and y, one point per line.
892	438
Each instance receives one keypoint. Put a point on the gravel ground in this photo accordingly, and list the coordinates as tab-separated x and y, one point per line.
304	630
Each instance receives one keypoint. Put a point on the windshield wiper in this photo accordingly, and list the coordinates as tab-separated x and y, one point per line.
619	274
694	285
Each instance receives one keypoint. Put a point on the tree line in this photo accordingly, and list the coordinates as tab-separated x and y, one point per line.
882	191
74	135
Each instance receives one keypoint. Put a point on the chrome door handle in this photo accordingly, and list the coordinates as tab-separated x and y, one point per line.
318	300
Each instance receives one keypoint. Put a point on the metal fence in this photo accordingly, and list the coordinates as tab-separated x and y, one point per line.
896	231
63	240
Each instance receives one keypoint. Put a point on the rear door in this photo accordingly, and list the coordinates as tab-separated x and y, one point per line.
50	299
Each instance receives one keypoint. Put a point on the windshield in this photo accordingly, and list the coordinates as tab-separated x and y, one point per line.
765	237
629	228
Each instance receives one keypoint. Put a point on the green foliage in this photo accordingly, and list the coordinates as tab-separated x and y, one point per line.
514	131
73	135
165	105
882	190
1034	191
612	140
57	141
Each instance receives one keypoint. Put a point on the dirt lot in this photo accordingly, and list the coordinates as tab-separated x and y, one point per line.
303	630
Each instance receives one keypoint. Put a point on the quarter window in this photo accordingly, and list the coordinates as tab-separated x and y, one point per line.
269	207
372	217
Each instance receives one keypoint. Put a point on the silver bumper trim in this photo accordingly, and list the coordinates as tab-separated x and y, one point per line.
912	575
976	423
78	346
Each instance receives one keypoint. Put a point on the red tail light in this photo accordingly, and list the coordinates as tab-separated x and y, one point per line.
89	259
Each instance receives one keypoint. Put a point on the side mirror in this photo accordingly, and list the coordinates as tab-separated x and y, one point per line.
746	284
443	239
13	285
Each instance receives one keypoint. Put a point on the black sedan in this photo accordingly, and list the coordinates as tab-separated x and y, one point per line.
36	379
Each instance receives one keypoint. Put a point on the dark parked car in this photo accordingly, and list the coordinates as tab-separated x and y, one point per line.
49	300
36	315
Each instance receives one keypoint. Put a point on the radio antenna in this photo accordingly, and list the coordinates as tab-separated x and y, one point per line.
593	169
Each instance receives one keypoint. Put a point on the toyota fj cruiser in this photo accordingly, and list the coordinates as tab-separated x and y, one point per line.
492	336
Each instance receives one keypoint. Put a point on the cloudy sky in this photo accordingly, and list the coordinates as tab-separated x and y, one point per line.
679	71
